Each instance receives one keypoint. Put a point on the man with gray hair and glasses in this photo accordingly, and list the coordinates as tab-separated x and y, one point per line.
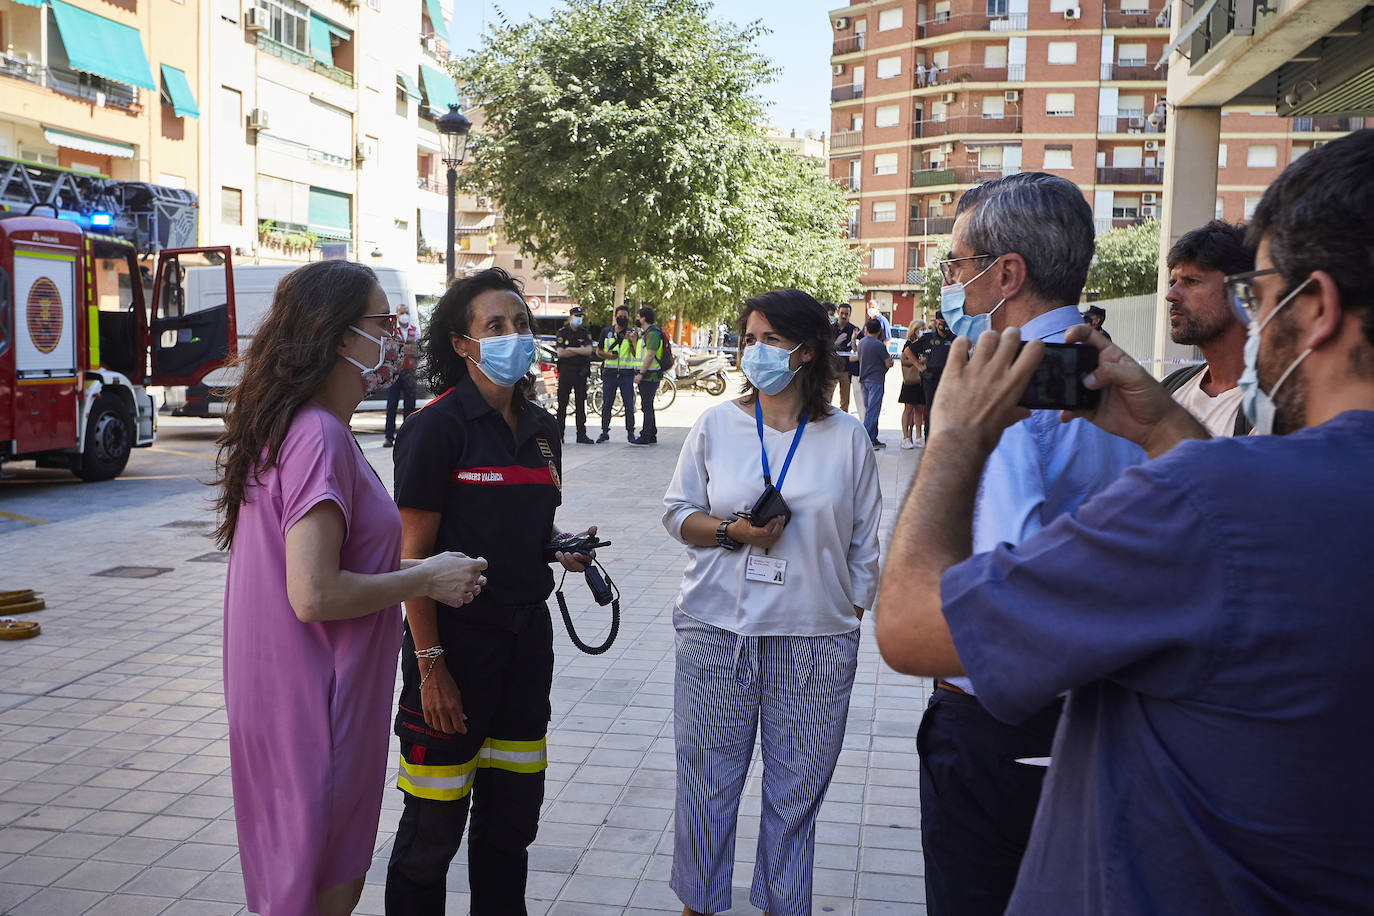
1019	258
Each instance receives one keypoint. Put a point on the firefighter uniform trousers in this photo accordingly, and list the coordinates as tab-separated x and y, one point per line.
495	771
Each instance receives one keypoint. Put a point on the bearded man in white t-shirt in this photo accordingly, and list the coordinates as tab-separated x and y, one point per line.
1201	315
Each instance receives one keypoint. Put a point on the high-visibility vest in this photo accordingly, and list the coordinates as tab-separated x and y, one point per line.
622	353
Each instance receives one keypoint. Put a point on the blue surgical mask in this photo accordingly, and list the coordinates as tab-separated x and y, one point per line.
505	359
575	321
766	367
1259	407
952	308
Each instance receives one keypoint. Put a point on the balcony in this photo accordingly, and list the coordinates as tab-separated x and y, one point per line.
1127	124
1326	125
1147	175
970	22
848	45
1134	70
434	185
850	183
83	86
846	139
436	46
923	129
293	56
845	93
852	229
925	178
1127	19
1104	225
955	74
937	225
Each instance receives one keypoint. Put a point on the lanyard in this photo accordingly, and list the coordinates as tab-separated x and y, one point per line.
796	438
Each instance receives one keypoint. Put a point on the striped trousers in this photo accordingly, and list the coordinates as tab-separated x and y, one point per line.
794	692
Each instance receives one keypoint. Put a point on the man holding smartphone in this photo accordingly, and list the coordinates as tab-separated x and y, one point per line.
1020	255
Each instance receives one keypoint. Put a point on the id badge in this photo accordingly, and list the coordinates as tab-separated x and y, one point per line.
765	569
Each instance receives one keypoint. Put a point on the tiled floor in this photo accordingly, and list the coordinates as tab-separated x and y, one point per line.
114	785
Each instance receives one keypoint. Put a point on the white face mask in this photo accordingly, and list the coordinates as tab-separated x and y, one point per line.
1258	407
403	318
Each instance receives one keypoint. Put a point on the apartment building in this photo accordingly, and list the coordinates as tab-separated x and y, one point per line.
103	88
932	98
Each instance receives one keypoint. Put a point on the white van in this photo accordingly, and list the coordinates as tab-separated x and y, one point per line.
254	285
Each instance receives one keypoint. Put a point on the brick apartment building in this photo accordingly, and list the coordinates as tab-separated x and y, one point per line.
931	98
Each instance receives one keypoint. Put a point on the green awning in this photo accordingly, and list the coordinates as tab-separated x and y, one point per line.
439	88
408	84
436	18
330	214
177	93
102	46
319	41
29	2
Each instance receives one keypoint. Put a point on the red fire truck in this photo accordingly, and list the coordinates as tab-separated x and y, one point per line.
80	345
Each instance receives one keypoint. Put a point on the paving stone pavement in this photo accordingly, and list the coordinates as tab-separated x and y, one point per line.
114	755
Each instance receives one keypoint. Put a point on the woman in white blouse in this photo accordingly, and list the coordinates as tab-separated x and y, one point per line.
768	616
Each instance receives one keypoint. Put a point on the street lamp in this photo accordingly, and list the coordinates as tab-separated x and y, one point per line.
454	128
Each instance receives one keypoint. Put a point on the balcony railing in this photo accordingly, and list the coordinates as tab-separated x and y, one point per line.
925	178
943	24
849	45
1134	70
849	182
852	229
1125	19
1147	175
955	74
425	183
434	45
1127	124
1327	125
103	92
1103	224
293	56
921	129
845	93
936	225
846	139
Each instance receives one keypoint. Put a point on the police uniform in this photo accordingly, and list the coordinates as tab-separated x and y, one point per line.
572	378
618	374
496	495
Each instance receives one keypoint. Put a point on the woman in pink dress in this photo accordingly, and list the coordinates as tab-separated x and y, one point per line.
312	620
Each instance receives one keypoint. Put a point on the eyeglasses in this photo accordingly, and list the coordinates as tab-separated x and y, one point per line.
392	325
1244	298
947	265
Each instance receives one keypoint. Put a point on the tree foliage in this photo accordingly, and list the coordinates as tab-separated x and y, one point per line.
621	140
1127	261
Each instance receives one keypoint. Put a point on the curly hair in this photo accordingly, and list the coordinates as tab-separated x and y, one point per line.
443	367
293	351
798	317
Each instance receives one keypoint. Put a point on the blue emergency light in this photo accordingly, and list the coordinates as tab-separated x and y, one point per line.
101	220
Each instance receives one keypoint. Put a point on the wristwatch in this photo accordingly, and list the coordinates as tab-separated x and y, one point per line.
723	538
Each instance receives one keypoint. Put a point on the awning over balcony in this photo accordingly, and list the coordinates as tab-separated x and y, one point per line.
406	83
1186	32
439	89
320	46
102	46
436	17
330	214
29	2
176	91
87	144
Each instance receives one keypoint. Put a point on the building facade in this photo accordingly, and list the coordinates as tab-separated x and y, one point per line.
932	98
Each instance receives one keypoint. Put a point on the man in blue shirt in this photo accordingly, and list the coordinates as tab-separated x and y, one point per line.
1209	613
874	362
1019	257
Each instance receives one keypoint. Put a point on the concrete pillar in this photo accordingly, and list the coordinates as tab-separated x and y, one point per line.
1190	192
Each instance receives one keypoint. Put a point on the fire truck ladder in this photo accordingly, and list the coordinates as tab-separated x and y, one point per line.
150	216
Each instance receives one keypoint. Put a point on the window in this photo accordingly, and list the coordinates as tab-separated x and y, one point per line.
1130	106
1219	210
1058	157
990	159
881	259
1130	55
1063	52
1221	156
1135	6
1298	150
885	164
995	57
288	23
853	221
887	115
938	111
229	10
1059	104
942	10
941	60
1262	156
890	19
1250	204
994	106
231	206
230	107
935	210
997	9
517	263
1125	208
1058	6
885	211
889	67
856	122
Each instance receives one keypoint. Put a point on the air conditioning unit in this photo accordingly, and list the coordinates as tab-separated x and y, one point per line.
1073	12
948	98
1136	122
483	203
1149	212
1151	144
255	20
258	120
948	148
366	150
837	69
946	198
842	23
1149	197
429	43
1012	95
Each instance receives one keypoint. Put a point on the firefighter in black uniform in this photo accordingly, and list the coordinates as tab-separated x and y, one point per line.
477	471
573	346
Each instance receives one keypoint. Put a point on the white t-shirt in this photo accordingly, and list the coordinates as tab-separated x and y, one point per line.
1218	413
830	546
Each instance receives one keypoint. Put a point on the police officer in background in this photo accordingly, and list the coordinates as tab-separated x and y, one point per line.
618	351
573	346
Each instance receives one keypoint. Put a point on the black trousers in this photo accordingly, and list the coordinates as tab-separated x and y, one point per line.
573	381
504	676
403	387
648	427
622	380
977	802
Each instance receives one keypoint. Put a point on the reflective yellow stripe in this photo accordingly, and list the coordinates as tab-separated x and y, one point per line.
450	783
497	744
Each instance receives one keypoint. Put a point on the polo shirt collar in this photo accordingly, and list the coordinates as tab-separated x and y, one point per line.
1052	323
475	406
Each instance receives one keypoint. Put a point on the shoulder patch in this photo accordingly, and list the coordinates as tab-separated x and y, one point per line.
544	448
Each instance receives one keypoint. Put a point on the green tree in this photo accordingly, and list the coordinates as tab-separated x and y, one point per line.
1127	261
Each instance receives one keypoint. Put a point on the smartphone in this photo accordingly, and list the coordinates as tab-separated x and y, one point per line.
1056	385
